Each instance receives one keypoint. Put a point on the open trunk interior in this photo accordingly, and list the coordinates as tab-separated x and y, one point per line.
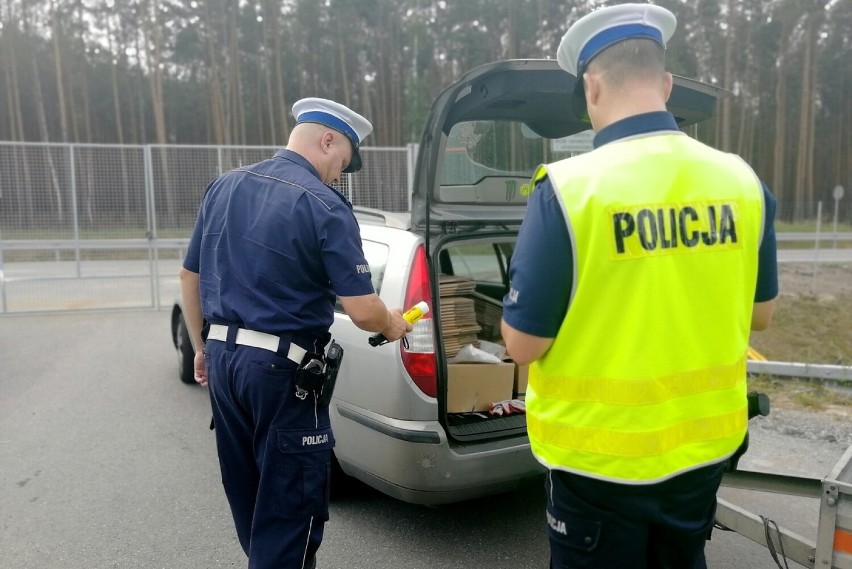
472	281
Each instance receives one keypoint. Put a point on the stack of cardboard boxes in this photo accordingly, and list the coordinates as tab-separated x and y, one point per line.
458	317
489	313
466	316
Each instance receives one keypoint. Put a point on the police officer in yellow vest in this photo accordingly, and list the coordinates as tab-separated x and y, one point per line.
639	271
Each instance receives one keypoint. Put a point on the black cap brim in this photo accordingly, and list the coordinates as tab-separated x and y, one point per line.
355	163
578	100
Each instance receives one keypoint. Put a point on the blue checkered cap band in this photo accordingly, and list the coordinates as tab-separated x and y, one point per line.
595	32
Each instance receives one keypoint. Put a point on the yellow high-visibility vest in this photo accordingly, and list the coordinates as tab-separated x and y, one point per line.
646	377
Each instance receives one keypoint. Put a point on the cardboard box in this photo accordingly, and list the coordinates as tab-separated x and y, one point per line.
471	387
519	390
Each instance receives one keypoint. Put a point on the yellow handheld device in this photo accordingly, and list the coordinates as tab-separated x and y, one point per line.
411	316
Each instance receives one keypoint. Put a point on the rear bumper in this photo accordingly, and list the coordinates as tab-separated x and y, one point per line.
413	461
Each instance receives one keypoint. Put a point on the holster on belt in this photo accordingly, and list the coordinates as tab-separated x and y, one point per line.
333	358
318	373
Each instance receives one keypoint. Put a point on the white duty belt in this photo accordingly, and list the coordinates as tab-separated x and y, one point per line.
257	340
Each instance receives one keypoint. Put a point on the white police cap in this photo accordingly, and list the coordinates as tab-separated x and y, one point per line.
339	117
595	32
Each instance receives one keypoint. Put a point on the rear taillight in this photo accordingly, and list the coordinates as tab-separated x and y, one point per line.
419	357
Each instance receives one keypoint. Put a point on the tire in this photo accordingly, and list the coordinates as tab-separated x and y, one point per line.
185	353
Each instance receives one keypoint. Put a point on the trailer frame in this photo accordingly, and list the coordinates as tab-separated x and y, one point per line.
833	546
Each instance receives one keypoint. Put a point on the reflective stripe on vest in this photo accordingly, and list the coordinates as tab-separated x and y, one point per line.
646	376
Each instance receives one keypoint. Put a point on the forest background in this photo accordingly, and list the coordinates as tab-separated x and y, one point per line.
228	71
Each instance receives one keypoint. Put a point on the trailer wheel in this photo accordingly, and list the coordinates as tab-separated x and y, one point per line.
185	353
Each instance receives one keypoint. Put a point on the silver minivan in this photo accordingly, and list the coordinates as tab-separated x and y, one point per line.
484	137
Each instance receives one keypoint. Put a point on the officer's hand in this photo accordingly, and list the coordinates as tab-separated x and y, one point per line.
200	370
397	326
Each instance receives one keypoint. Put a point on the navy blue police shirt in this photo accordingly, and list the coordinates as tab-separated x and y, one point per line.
273	245
539	308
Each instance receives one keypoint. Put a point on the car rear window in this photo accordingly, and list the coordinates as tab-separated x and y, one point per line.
377	257
481	149
485	263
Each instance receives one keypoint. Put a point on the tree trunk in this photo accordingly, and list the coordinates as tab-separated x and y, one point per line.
382	114
45	136
78	71
748	111
235	88
57	57
119	126
344	75
779	157
140	119
267	80
153	51
843	155
90	197
280	97
802	201
220	129
844	158
24	197
725	115
810	190
258	94
396	83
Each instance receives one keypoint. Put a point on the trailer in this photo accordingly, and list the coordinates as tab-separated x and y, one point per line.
833	546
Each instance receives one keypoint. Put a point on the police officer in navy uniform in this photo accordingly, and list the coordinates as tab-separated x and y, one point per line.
273	246
637	338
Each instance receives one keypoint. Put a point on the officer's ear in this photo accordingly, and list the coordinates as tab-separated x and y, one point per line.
592	87
667	85
327	141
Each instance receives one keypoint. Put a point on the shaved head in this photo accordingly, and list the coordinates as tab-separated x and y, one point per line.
308	130
328	150
628	60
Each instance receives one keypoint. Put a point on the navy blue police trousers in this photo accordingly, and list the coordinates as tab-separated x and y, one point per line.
598	524
274	447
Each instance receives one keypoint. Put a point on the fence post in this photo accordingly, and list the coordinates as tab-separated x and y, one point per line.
2	278
837	194
150	213
816	247
75	217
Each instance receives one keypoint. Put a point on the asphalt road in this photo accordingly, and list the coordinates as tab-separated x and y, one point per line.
106	462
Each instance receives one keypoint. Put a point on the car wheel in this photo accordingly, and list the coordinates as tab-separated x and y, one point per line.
185	353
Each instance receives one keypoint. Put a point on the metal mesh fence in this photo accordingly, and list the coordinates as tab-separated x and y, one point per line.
109	184
105	226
